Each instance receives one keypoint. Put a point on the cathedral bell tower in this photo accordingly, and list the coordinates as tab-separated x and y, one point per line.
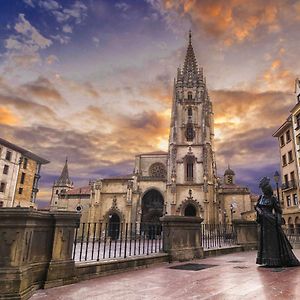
191	185
59	189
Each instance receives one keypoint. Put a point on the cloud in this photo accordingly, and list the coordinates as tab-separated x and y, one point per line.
122	6
7	117
96	41
31	35
77	12
49	4
24	44
29	2
67	28
232	21
51	59
43	88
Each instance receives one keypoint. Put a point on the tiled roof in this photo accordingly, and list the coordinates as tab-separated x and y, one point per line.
86	190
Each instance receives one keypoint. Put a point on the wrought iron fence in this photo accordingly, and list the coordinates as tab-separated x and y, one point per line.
97	241
218	236
293	235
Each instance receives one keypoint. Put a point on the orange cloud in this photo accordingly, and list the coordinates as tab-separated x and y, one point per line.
277	77
231	20
7	117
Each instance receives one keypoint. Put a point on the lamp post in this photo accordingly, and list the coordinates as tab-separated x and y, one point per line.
276	179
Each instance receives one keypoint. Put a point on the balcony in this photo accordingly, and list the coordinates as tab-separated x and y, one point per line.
289	185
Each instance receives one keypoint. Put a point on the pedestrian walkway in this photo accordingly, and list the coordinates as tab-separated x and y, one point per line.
232	276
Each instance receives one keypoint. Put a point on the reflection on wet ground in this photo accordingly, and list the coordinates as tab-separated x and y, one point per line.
233	276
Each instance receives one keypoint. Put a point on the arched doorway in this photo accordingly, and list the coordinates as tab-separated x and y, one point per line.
152	206
113	226
190	211
152	210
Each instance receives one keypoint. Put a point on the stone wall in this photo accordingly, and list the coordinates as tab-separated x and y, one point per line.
35	250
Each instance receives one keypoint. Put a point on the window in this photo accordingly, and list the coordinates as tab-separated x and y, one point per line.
22	178
190	96
56	192
293	178
288	136
189	171
295	199
190	132
190	112
25	162
288	200
297	121
8	155
290	155
282	141
5	169
284	160
2	187
1	204
286	180
229	179
20	191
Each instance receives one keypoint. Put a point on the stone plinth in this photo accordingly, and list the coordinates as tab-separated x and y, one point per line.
182	237
247	233
31	243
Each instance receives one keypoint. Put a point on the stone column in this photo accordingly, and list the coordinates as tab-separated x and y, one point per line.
247	233
61	268
182	237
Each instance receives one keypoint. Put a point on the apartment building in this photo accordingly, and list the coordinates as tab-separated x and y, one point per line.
19	175
288	135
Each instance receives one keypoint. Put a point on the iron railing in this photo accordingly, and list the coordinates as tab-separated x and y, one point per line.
218	236
289	185
97	241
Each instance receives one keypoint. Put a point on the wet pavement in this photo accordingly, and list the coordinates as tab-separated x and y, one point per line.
232	276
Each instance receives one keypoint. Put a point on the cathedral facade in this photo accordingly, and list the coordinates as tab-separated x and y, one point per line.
182	181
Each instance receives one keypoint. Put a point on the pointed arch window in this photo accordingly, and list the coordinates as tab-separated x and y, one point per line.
190	132
190	96
189	167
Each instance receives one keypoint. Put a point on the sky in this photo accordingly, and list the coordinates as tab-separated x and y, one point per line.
92	80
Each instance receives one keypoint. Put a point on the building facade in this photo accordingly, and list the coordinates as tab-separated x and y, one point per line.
288	135
181	181
233	199
19	175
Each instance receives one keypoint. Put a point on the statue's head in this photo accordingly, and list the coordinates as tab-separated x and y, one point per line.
265	186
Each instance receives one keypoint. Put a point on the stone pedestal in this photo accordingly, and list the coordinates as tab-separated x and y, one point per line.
35	247
247	233
61	267
182	237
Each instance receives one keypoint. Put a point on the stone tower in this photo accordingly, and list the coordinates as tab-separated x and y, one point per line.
191	182
229	176
59	189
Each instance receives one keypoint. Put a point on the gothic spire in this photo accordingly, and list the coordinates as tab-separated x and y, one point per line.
64	178
190	67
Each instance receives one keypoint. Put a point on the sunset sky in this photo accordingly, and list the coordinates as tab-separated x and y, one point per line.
92	79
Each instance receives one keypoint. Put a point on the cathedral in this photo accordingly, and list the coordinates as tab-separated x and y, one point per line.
182	181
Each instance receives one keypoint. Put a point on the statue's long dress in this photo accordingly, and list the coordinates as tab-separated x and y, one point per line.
274	249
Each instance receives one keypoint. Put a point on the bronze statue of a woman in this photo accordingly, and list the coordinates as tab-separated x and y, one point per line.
274	249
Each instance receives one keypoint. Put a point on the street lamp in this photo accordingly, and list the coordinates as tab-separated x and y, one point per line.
276	179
